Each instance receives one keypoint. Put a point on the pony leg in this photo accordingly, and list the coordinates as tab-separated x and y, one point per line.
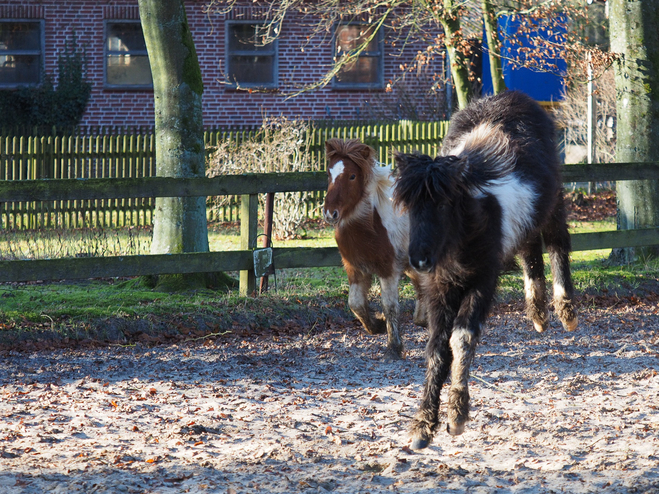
535	288
389	290
360	284
438	358
463	345
420	317
465	336
557	240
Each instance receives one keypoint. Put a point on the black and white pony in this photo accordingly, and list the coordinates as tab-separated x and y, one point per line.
495	191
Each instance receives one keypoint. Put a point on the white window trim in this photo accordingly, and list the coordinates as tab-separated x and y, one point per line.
379	84
106	53
273	52
40	53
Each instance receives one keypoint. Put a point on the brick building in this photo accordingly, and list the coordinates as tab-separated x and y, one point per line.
34	32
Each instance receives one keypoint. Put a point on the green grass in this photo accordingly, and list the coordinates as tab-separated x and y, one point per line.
592	226
98	242
79	301
85	309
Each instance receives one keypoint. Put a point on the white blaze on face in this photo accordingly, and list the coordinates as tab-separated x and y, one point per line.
336	170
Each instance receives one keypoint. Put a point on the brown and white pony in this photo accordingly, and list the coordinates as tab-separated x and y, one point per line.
372	235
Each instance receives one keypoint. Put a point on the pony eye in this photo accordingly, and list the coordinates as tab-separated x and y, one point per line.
353	176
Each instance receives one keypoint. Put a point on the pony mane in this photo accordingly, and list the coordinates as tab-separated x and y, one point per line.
379	188
356	151
488	147
423	178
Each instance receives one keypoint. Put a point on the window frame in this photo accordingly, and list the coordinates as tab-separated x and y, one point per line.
273	52
40	53
107	52
379	83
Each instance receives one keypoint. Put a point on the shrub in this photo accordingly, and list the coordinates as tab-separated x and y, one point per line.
47	106
572	117
279	146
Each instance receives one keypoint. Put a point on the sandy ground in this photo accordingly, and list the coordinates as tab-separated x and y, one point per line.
320	411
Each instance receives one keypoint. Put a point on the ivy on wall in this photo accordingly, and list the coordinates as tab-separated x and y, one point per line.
47	105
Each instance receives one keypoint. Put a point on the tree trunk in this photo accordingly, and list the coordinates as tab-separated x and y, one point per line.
634	26
179	222
450	21
493	51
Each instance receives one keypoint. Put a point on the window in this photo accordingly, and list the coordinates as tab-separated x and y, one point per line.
126	59
367	70
250	62
21	50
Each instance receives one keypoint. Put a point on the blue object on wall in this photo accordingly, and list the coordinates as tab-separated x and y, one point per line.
542	86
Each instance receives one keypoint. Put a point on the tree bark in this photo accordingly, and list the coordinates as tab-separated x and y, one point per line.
179	222
450	21
634	26
493	51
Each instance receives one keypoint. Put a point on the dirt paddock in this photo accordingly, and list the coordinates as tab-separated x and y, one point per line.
318	410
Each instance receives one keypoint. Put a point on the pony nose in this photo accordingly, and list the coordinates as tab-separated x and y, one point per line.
332	217
421	263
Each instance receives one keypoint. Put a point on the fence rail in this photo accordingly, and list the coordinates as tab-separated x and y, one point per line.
248	186
130	153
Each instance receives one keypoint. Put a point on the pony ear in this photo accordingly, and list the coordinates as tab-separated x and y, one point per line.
444	176
330	146
458	165
367	152
401	160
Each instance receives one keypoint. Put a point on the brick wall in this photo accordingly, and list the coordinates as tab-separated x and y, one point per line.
299	63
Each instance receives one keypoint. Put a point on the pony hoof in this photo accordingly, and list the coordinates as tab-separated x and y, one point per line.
394	354
571	325
378	327
455	429
420	443
421	322
540	328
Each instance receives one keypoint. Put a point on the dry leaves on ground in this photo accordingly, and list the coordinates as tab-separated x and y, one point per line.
289	411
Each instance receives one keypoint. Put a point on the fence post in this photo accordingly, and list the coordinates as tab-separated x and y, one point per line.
267	238
249	209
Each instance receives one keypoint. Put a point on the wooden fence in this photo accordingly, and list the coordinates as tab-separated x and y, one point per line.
123	153
248	187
